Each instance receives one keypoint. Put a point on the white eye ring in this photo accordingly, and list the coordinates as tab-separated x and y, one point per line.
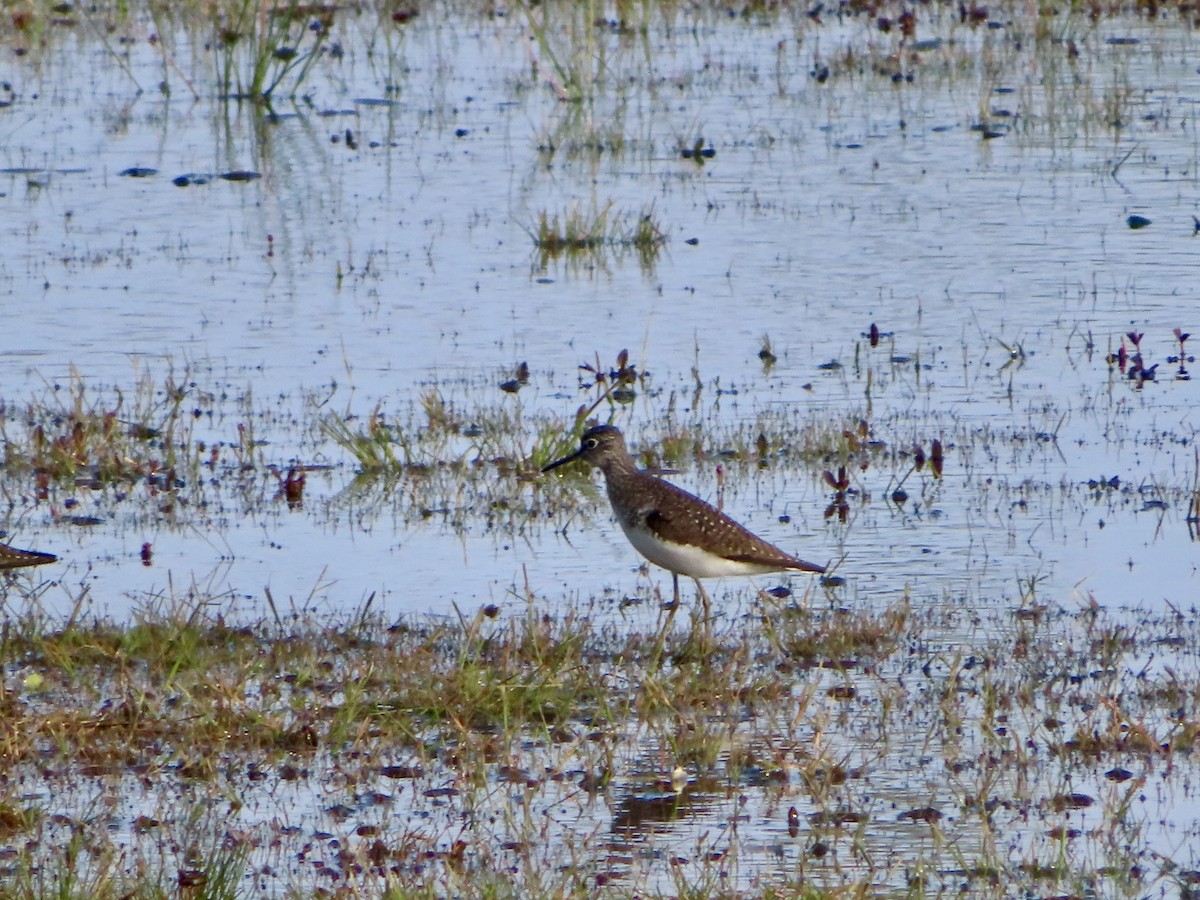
592	443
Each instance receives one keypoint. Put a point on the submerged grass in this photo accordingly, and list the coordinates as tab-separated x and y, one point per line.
527	754
518	752
74	435
263	47
589	54
592	232
439	435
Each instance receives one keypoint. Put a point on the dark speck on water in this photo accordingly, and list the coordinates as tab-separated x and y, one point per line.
191	178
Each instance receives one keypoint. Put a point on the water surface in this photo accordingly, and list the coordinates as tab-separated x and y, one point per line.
968	191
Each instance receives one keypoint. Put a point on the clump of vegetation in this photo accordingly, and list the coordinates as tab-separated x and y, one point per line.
573	232
441	434
75	435
577	232
262	47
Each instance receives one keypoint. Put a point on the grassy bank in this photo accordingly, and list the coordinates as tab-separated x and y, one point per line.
791	750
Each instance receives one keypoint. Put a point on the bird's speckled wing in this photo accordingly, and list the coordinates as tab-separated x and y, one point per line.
673	515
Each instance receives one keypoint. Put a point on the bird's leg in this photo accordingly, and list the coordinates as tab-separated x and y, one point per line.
700	643
674	608
660	641
707	603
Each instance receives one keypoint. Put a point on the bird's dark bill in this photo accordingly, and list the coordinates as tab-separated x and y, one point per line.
562	462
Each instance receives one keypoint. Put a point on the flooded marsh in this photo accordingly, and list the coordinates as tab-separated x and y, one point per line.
300	299
794	753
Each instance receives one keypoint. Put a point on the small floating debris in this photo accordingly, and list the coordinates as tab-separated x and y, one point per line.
937	458
1064	802
191	178
922	814
1135	222
400	771
241	175
138	172
519	380
698	152
838	817
374	101
766	354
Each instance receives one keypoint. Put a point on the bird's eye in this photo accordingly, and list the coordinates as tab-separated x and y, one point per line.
591	443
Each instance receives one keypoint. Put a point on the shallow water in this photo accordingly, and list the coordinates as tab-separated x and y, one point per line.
1001	270
826	207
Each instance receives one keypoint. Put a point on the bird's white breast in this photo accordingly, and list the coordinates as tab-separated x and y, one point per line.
684	559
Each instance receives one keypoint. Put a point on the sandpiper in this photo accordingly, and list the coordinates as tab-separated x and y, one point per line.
12	558
672	528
